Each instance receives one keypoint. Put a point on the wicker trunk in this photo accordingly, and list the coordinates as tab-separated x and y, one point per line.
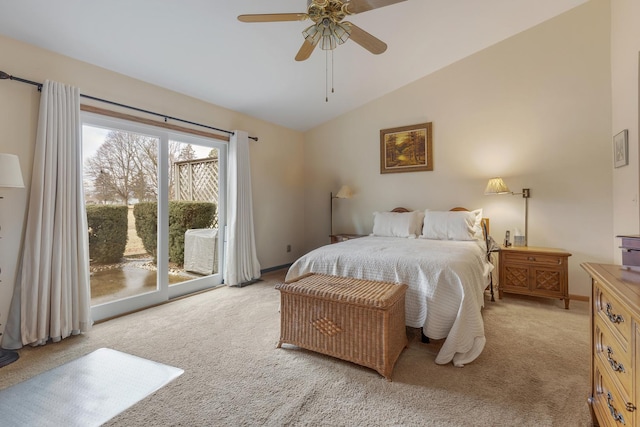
361	321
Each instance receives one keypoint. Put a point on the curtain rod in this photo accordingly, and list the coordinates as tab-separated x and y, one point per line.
5	76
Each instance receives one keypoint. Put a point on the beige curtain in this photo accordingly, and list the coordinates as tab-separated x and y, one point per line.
241	264
52	297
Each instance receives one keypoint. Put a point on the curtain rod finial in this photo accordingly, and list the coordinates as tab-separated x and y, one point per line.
4	76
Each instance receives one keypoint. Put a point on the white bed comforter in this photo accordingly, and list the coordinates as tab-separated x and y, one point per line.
446	282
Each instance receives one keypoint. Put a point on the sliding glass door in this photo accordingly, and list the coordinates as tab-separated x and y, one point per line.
155	205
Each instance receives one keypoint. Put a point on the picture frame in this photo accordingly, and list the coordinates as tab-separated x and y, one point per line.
406	149
621	149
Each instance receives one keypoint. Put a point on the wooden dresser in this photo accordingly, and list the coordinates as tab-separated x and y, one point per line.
615	344
535	271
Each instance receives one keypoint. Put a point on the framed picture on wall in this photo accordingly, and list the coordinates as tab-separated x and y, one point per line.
621	149
406	149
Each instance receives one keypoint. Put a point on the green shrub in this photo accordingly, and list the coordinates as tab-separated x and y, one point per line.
182	217
107	232
146	216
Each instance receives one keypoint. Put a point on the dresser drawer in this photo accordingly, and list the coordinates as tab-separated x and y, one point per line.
613	314
615	360
608	403
615	335
533	259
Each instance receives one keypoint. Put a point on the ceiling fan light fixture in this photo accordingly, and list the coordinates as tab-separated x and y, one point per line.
328	41
312	34
341	32
319	3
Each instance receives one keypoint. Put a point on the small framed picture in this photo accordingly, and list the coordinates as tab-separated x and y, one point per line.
621	149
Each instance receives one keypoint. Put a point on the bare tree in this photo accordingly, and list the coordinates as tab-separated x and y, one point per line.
187	153
112	165
125	167
103	191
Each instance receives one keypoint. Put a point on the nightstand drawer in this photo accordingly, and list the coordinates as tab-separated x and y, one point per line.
337	238
533	259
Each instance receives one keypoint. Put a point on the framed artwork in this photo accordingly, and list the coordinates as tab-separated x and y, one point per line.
621	149
406	149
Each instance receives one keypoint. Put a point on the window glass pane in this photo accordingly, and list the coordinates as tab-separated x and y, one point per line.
194	189
120	172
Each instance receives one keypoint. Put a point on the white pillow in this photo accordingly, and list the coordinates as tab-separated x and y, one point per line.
397	224
477	227
456	225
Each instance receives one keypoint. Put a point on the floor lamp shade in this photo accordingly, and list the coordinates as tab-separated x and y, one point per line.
345	192
10	172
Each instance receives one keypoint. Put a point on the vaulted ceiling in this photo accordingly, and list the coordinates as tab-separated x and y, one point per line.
199	48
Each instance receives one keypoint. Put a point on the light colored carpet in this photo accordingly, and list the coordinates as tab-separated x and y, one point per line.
85	392
534	370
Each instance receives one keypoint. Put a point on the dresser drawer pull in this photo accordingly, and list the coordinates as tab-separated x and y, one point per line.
630	407
614	318
617	367
533	259
617	416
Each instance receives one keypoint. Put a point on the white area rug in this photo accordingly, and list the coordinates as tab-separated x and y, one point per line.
87	391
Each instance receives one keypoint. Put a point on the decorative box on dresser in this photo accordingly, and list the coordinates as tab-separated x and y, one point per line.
615	344
535	271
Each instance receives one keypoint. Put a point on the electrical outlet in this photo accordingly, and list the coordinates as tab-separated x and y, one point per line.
288	248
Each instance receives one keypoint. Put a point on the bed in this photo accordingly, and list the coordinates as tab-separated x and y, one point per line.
446	277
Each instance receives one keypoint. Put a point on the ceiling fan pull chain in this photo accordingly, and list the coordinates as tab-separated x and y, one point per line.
326	76
332	91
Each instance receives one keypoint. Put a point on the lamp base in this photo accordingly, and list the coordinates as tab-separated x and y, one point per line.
7	357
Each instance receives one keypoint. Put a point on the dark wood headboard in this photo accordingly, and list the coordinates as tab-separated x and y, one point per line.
400	210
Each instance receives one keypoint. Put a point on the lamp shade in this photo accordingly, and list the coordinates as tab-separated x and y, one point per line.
10	173
345	192
496	186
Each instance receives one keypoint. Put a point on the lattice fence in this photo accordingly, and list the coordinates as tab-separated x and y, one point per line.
198	180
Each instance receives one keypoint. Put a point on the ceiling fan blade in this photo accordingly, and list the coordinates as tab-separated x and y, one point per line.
273	17
305	51
366	40
359	6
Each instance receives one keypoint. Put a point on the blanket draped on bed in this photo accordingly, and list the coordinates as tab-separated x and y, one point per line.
446	282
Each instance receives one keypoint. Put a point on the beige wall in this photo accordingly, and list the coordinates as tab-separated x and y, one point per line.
625	54
277	173
534	109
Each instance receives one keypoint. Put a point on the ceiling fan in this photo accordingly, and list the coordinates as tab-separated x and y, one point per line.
329	28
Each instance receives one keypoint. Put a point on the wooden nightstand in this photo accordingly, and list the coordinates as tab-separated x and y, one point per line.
335	238
541	272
